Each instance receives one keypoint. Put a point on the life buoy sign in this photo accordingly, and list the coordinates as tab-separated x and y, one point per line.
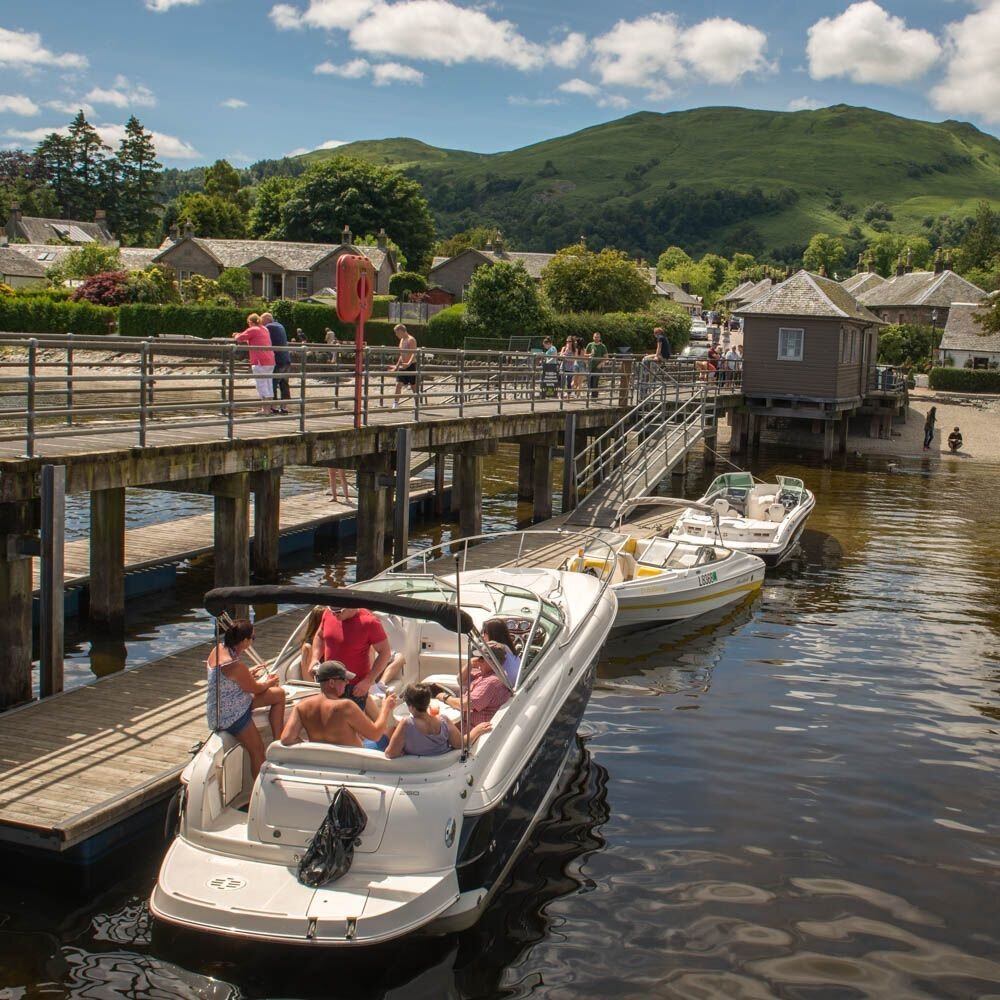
355	288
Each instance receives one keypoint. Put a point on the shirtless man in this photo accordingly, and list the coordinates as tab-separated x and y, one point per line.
329	717
406	367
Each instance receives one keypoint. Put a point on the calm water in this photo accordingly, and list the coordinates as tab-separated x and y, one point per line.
797	798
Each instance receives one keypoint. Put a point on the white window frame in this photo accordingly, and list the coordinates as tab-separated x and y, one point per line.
183	276
784	356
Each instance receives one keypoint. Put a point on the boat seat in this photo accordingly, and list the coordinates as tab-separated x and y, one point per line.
684	560
330	757
776	513
721	505
449	681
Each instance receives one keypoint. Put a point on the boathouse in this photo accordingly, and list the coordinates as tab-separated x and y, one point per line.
809	354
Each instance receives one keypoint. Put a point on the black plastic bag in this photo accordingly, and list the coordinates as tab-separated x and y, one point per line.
331	850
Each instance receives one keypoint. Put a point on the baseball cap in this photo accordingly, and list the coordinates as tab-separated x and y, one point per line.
333	670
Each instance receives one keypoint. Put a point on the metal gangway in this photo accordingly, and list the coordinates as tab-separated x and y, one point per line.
629	459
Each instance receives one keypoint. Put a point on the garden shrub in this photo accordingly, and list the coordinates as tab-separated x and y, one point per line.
45	315
447	328
965	379
141	319
404	282
109	288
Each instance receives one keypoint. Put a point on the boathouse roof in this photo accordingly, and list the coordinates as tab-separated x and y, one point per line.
810	295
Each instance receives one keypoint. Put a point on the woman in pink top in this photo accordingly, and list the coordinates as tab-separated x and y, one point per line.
261	357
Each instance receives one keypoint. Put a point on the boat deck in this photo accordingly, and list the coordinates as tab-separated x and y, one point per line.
77	766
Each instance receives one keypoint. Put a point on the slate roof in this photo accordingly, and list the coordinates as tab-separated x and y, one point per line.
963	333
132	258
810	295
19	265
37	230
747	292
863	281
675	293
288	256
922	288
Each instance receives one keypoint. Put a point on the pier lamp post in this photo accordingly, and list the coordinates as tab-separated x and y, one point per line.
934	319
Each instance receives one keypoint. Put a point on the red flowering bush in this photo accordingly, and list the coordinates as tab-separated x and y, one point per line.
110	288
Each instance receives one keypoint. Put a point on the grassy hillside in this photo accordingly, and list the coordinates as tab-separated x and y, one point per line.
720	178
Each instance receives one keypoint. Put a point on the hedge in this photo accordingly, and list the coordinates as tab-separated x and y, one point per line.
448	328
141	319
46	315
965	379
312	317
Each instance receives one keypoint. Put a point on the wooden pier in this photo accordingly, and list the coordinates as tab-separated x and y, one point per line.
79	770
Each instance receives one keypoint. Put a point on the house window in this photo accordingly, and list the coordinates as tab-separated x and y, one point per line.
183	275
790	343
844	345
301	285
855	337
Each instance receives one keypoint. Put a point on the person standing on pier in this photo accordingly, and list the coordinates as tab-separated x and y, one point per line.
234	692
261	357
282	362
406	367
597	352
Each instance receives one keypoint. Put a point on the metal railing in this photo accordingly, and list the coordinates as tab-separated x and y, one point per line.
60	386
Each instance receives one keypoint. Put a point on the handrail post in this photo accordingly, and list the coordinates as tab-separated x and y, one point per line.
143	414
499	382
418	386
69	379
461	383
302	389
230	391
29	426
365	368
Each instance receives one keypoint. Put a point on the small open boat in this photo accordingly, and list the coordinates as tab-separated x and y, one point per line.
441	831
764	519
659	580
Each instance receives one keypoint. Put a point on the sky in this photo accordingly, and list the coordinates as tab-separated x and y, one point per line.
246	80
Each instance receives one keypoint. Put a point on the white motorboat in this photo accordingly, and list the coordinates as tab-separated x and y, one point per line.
764	519
441	831
659	580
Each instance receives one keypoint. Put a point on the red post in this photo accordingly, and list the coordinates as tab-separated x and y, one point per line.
355	291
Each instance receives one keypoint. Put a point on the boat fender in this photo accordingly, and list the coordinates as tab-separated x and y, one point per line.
175	810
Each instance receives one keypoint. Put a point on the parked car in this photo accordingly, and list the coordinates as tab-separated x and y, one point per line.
699	330
694	352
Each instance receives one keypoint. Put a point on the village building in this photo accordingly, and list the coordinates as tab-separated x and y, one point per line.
743	294
31	229
920	297
809	354
965	344
18	270
48	255
278	269
863	281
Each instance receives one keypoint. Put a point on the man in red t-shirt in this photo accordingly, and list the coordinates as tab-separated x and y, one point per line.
349	635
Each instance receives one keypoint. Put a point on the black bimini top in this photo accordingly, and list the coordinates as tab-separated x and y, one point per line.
222	598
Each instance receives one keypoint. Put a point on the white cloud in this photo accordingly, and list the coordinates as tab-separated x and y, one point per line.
569	51
866	44
353	70
804	104
168	147
161	6
581	87
653	51
441	31
972	81
122	94
612	101
329	144
326	14
17	104
23	50
520	101
71	107
233	102
392	72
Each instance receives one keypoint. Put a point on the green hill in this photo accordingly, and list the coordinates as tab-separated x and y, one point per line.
712	178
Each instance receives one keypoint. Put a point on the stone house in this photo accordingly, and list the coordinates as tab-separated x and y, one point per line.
31	229
743	294
922	297
453	274
278	269
964	343
863	281
809	353
46	255
19	270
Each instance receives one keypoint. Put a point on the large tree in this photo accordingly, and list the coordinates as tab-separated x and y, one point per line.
89	169
210	215
139	180
222	179
502	300
824	254
343	191
579	280
264	222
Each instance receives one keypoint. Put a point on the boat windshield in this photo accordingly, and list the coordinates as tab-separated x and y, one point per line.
792	486
731	484
546	620
418	586
598	546
656	552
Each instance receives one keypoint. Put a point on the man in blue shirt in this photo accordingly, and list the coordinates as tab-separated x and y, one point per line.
282	362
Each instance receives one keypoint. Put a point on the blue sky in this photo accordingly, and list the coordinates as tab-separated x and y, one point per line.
248	80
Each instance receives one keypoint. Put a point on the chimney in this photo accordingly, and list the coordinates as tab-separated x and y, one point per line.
188	230
100	217
938	261
489	246
583	241
174	233
382	239
909	261
14	220
900	268
861	264
498	242
346	237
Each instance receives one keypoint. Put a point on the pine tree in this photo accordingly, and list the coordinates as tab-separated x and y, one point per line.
139	181
89	154
56	152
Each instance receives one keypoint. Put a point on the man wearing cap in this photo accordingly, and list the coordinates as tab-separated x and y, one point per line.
349	635
329	717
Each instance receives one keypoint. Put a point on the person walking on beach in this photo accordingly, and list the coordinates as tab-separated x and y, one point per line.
261	358
406	367
929	427
282	362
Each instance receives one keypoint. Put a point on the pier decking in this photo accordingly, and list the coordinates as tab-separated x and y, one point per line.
76	768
